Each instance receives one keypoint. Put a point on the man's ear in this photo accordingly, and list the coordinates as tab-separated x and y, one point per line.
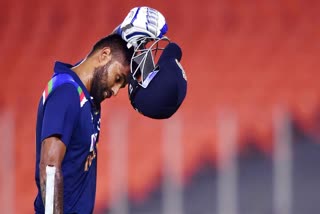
105	55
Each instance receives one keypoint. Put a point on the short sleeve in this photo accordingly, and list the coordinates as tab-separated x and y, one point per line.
60	114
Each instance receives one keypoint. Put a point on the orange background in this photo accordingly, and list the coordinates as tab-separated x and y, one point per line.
246	57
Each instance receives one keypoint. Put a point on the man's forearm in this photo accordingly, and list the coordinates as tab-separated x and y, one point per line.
52	154
58	191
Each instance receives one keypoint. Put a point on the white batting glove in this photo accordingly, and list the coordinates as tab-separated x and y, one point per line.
142	22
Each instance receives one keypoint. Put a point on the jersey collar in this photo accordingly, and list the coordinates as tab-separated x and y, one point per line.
61	67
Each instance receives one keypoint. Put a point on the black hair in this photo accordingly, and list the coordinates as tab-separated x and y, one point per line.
117	46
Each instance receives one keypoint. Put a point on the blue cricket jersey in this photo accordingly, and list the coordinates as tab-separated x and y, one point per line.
67	110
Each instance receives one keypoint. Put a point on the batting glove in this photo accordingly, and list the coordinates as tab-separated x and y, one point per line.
142	22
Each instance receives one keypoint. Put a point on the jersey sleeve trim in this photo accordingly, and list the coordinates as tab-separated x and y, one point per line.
58	80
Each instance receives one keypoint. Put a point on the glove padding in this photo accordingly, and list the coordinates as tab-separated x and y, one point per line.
142	22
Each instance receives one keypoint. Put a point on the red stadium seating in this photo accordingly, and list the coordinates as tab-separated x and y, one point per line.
244	57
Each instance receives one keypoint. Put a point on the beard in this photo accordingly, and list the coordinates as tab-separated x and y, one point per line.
99	83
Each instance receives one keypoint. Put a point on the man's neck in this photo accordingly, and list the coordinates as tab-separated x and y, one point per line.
85	72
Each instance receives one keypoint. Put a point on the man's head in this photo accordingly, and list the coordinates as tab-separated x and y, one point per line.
111	59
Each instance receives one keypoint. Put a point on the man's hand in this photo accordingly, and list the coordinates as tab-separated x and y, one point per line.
142	22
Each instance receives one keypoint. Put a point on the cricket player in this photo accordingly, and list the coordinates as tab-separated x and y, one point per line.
68	119
68	124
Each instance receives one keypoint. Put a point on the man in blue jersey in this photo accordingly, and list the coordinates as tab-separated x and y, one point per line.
68	124
68	120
